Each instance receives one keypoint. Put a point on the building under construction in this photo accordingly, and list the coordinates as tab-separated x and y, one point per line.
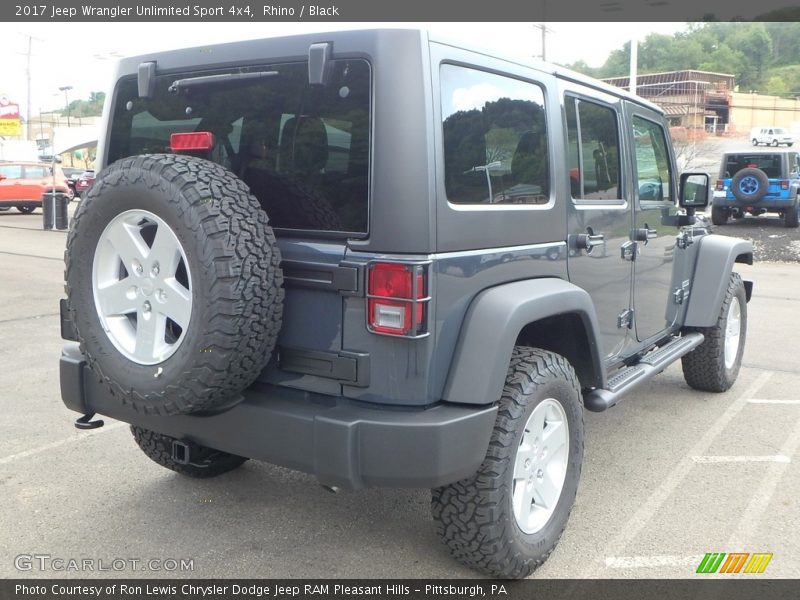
698	101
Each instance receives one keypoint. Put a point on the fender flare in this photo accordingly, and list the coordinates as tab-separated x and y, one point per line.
716	255
492	325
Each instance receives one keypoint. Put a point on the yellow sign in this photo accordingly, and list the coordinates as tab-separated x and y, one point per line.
10	127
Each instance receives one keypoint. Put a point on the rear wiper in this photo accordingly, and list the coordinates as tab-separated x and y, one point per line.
189	82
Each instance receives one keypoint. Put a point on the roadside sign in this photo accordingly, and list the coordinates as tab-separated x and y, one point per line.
10	123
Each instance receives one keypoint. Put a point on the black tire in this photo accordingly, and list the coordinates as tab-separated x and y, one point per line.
790	218
474	516
790	144
26	210
236	292
774	143
719	215
704	367
755	142
204	462
752	176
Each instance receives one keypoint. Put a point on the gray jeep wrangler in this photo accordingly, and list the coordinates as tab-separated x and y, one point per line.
389	261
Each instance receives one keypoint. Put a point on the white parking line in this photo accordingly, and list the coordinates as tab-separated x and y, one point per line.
648	508
766	401
52	445
777	458
648	562
760	500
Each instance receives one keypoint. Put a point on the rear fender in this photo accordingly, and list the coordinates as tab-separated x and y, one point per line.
492	327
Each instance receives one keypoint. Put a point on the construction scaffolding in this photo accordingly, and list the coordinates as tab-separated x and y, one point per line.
696	103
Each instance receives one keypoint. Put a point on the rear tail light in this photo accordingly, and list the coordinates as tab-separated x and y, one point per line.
397	299
720	185
784	184
194	140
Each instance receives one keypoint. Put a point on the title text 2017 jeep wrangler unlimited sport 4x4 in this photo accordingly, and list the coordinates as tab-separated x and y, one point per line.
389	261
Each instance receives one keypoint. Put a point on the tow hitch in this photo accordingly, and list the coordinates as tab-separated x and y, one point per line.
180	452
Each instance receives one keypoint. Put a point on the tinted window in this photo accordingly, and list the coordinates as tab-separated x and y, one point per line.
302	150
495	139
652	160
593	150
769	163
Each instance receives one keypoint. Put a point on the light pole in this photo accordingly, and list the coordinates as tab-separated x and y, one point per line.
66	90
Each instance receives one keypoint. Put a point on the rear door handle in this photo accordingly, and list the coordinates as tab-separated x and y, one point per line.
586	241
643	234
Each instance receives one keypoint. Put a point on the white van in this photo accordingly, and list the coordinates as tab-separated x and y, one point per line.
773	136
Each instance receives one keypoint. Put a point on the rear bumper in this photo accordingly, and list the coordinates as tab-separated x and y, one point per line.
343	443
766	203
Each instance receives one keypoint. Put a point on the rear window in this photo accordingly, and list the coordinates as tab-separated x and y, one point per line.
769	163
303	150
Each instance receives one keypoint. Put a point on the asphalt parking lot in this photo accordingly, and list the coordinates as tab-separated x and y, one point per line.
669	474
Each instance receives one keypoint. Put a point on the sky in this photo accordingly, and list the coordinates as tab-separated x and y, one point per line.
81	55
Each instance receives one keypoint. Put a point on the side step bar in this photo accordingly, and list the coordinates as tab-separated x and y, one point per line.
648	367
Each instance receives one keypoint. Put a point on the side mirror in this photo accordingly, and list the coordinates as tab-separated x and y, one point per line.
694	191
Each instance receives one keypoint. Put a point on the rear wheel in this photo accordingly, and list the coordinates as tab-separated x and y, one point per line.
755	142
790	218
507	518
775	143
26	210
719	215
714	365
203	462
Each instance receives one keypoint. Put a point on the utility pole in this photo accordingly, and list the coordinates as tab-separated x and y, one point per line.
545	30
28	81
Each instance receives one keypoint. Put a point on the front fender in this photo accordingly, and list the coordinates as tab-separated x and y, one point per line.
491	328
715	257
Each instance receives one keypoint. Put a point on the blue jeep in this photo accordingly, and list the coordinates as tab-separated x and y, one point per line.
757	182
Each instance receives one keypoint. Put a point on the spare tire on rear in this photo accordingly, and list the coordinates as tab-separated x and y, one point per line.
173	283
750	184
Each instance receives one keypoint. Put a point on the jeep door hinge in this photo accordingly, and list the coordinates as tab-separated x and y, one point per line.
625	319
628	250
681	294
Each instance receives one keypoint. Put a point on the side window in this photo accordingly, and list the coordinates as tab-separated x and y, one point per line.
653	171
37	172
593	150
11	171
495	139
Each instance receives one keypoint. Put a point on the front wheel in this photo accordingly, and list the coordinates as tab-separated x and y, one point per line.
26	210
507	518
714	365
775	143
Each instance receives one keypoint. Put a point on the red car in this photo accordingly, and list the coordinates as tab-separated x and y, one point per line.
23	184
84	182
